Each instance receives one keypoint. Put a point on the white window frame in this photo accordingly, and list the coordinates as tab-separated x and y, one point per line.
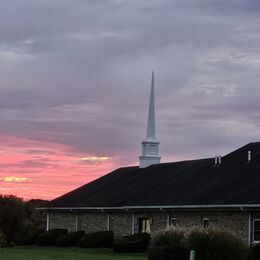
254	220
147	221
171	220
203	222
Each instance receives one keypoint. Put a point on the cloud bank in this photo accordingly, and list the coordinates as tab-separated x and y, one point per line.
75	75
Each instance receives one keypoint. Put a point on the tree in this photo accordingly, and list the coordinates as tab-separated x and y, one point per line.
19	220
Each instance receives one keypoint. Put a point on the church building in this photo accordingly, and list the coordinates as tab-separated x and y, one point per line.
221	191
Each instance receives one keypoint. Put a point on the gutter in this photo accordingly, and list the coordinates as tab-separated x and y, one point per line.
186	207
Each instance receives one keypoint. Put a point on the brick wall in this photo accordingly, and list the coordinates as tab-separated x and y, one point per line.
63	220
92	222
122	222
237	222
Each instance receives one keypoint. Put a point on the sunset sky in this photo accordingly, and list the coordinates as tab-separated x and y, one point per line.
75	80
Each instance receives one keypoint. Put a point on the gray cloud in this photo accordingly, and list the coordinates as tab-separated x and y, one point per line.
78	73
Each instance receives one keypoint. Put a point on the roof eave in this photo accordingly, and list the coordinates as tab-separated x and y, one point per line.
177	207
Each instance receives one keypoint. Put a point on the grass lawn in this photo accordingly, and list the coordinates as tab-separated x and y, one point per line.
48	253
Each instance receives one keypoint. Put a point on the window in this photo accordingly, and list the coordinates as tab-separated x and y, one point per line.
144	225
205	222
173	221
256	230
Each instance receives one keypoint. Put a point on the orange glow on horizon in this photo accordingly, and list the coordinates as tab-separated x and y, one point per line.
41	170
95	158
14	179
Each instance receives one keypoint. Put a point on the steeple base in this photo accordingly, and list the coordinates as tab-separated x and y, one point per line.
146	161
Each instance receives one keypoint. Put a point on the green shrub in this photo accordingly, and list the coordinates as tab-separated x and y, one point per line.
209	244
48	238
217	244
198	240
172	238
3	240
255	252
31	237
70	239
134	243
97	239
168	245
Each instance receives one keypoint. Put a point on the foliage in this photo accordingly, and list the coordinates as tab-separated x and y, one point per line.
13	218
30	238
168	244
172	238
133	243
217	244
49	238
18	219
209	244
97	239
70	239
3	241
255	252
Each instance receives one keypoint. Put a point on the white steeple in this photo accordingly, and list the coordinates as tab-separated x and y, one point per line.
150	146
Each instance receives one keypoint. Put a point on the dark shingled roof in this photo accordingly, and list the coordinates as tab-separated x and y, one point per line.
196	182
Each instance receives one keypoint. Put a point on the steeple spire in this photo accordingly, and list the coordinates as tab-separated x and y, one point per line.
151	116
150	146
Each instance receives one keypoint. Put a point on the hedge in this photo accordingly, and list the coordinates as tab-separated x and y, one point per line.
210	243
255	250
49	238
97	239
133	243
3	240
70	239
217	244
168	245
31	237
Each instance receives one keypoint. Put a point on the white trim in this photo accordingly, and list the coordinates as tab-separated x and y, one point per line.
231	206
133	223
249	229
168	219
108	221
255	241
48	222
77	221
171	219
203	221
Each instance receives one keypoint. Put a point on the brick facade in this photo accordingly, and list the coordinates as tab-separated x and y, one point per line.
237	222
127	222
91	222
63	220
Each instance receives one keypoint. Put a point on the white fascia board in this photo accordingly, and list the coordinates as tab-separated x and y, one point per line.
231	206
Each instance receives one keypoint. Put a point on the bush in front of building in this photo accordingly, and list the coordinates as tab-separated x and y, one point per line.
3	240
209	243
70	239
168	245
30	238
172	238
255	252
133	243
49	238
217	244
97	239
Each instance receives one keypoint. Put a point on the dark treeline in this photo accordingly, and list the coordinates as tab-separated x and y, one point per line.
19	219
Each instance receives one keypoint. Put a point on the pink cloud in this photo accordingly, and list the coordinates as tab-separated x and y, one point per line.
34	169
